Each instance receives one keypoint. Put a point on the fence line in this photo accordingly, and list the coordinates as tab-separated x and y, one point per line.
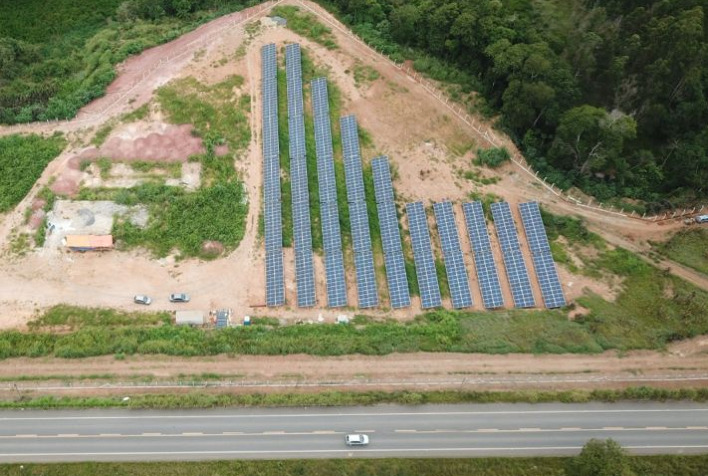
487	133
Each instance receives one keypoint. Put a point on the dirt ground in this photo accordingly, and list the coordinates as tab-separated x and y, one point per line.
683	365
429	149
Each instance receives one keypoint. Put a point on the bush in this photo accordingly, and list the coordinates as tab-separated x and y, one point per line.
493	157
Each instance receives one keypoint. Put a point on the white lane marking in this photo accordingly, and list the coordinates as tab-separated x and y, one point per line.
656	428
332	415
476	449
570	428
332	432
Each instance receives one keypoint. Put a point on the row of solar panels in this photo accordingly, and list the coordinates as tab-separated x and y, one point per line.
391	239
367	289
329	211
275	285
485	265
302	232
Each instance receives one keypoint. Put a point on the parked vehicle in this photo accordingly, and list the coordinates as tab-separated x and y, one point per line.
356	440
179	297
702	219
142	299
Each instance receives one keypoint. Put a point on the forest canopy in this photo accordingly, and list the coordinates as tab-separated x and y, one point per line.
607	95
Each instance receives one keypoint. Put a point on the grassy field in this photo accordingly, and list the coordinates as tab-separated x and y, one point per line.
22	161
664	465
688	247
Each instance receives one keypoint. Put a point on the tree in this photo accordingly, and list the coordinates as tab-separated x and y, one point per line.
589	139
600	458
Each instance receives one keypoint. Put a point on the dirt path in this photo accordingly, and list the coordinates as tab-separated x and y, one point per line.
684	365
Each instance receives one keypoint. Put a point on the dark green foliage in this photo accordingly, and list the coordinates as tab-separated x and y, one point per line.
493	157
54	60
600	458
22	161
185	220
629	75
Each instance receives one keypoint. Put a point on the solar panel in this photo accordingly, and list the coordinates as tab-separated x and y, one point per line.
336	282
488	280
484	263
423	256
275	287
390	235
359	221
533	226
476	227
511	252
518	279
383	187
331	234
367	292
546	272
457	278
504	224
397	280
388	225
305	276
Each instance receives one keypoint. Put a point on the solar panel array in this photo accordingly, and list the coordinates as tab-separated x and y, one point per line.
546	272
302	232
390	234
275	286
331	233
423	256
457	278
483	258
367	290
513	259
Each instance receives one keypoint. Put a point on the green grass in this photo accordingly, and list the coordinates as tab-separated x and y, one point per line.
74	317
688	247
364	74
63	57
284	144
202	399
218	115
140	113
102	134
172	169
307	25
181	220
22	161
664	465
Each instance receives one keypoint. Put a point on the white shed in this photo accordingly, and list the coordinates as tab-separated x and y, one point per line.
189	318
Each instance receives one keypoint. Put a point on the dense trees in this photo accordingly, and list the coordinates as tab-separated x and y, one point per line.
605	94
53	60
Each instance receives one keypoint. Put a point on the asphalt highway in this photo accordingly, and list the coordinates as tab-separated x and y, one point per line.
395	431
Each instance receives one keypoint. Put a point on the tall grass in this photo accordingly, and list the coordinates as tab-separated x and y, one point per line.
307	25
22	161
688	247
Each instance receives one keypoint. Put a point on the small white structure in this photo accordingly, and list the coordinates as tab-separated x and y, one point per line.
189	318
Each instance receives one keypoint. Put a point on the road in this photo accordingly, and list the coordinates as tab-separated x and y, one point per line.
395	431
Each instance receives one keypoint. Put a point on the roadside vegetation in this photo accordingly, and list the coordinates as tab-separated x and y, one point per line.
55	60
22	161
688	247
597	458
